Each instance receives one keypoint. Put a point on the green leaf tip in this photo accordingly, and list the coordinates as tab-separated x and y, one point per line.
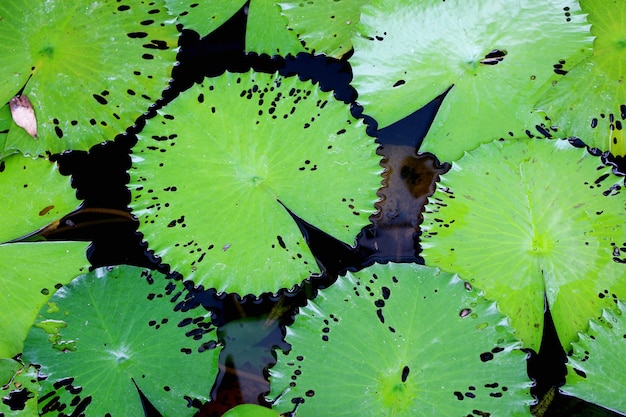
525	218
393	340
213	173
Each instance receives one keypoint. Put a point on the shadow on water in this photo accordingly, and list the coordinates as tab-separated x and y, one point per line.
251	327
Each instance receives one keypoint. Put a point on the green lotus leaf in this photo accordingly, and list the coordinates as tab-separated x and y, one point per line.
496	60
267	32
20	393
250	410
402	340
85	85
5	124
596	360
590	101
212	171
203	16
324	26
116	329
524	218
34	194
31	272
266	28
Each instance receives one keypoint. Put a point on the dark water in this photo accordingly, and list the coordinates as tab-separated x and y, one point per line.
251	327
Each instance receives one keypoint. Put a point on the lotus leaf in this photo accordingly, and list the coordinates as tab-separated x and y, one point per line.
31	273
596	367
324	26
115	329
590	100
525	218
496	54
402	340
19	394
33	195
214	172
266	28
85	85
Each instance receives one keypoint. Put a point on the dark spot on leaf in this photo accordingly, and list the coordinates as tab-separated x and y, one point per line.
135	35
100	99
405	373
486	356
399	83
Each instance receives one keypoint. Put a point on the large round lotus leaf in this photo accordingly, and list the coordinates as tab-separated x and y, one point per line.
590	101
496	53
212	172
33	195
19	395
30	274
596	368
89	68
521	218
324	26
401	340
116	329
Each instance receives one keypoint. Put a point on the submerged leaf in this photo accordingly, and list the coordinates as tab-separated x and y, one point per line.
117	327
402	340
589	101
496	54
212	172
596	367
89	69
521	218
31	273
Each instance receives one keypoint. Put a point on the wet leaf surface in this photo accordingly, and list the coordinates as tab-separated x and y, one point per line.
589	100
213	189
520	218
407	54
31	273
394	339
597	358
130	326
81	92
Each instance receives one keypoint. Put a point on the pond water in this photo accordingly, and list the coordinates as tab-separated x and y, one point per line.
252	327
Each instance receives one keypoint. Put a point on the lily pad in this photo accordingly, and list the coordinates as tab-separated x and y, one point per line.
31	273
85	85
402	340
203	16
34	194
20	393
324	26
117	327
524	218
495	59
590	101
597	361
266	28
215	172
